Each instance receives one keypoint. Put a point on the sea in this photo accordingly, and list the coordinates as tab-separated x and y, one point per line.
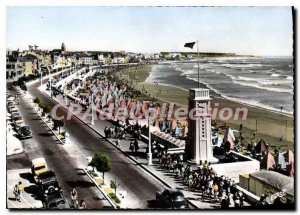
266	82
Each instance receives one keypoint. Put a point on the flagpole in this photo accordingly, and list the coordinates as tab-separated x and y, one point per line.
198	65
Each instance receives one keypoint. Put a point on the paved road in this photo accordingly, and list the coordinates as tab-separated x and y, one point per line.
139	185
45	144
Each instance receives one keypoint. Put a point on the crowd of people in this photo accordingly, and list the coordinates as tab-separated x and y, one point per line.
204	180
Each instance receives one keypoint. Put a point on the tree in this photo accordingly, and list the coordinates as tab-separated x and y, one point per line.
46	108
36	100
102	162
113	185
23	87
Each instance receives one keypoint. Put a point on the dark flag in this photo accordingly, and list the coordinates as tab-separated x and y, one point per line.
190	45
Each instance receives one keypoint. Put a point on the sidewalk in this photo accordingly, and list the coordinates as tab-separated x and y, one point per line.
27	198
13	144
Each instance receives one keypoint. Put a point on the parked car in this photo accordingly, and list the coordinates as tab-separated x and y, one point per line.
48	183
171	198
9	104
56	201
18	124
15	114
15	118
38	166
12	109
24	131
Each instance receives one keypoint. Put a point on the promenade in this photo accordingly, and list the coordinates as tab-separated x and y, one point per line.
166	177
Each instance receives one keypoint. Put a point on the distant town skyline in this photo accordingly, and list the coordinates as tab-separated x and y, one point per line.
266	31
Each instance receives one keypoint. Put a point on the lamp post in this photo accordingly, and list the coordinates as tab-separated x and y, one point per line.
50	85
41	77
149	144
92	108
65	89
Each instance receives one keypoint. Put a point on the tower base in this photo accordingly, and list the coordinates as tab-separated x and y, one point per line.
211	160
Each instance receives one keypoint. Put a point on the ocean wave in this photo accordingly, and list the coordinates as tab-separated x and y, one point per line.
187	72
247	78
275	75
255	103
241	65
268	87
202	66
231	77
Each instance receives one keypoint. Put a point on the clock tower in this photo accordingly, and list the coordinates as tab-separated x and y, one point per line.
199	143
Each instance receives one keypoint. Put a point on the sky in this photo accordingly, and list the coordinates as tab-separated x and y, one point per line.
264	31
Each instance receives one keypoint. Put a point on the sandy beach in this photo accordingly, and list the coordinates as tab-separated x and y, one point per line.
275	128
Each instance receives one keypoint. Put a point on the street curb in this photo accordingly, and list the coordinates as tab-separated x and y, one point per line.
46	124
124	153
115	206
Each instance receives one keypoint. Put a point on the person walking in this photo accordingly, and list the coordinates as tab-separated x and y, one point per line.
131	146
21	189
74	197
118	143
17	193
216	191
225	203
82	204
136	145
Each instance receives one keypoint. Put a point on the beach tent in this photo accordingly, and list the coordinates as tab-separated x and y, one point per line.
174	124
280	159
268	161
229	136
291	169
261	146
289	156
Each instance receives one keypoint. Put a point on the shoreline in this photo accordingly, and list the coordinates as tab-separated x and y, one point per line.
271	126
275	111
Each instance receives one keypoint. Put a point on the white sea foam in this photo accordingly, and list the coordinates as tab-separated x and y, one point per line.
271	80
258	86
247	78
255	103
275	75
241	65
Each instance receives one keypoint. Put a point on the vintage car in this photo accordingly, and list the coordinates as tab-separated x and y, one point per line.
56	200
48	183
18	124
12	109
38	166
15	114
15	118
24	132
171	198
